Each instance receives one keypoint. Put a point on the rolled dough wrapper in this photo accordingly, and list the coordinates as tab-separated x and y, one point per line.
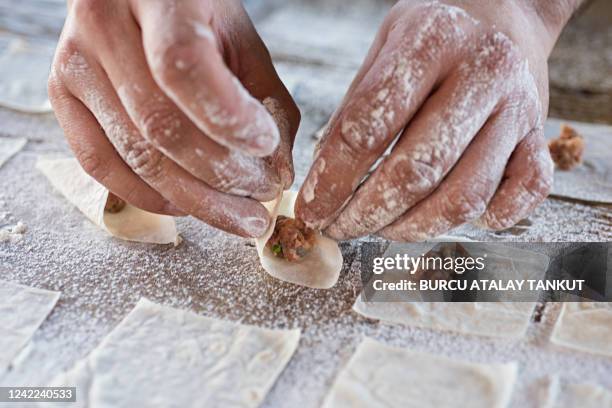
22	311
585	326
164	357
378	375
130	224
24	69
319	269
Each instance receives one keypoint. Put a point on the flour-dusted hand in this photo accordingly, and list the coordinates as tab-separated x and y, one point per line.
175	107
466	90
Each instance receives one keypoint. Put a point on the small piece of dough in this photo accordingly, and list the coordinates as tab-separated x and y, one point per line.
130	224
164	357
378	375
24	69
585	326
22	311
319	269
9	147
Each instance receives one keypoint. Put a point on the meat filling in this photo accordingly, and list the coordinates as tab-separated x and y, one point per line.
114	204
291	240
567	150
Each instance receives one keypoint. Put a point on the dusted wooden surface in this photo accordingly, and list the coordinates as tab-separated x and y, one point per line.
217	275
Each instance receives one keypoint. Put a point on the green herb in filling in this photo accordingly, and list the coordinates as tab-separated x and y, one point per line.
277	249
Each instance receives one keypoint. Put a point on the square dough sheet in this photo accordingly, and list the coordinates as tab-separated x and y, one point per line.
592	180
585	326
10	147
378	375
22	311
501	319
24	69
165	357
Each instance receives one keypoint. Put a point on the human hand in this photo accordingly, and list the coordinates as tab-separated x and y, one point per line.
160	102
466	90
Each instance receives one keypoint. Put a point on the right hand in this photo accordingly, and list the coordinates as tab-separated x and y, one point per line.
160	102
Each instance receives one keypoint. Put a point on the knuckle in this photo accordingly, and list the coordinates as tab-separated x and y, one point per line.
55	88
91	13
416	174
146	161
90	163
224	183
540	184
160	125
358	135
466	206
500	53
179	54
495	221
69	62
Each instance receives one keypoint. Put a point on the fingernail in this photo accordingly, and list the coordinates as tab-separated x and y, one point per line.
255	227
304	214
334	232
265	136
171	209
271	193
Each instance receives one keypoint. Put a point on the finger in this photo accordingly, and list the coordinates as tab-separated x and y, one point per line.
160	121
188	66
464	194
527	182
98	157
379	107
371	57
254	69
434	141
87	82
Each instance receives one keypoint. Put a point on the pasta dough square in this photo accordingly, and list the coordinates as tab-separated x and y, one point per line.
585	326
22	311
160	356
502	319
24	70
378	375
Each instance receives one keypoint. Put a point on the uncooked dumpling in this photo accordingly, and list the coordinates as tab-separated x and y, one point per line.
130	224
318	269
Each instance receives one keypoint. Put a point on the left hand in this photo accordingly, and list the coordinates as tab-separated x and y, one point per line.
467	92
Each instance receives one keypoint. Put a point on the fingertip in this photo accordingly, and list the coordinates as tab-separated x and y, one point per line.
268	193
172	210
262	138
304	213
335	232
255	226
